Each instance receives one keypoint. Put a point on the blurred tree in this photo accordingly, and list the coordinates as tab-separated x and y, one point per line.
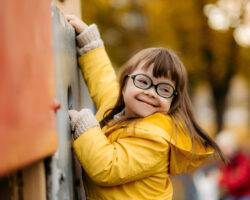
130	25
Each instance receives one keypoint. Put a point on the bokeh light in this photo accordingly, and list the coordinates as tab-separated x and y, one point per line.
227	14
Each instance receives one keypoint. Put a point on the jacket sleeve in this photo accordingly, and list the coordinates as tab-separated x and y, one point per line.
100	78
125	160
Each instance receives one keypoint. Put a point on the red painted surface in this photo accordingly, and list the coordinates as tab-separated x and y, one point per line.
27	120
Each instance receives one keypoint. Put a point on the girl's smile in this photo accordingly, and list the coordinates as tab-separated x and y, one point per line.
144	102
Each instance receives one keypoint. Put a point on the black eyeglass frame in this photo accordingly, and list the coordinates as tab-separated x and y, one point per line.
133	76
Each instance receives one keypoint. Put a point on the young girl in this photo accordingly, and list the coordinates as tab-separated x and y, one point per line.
144	129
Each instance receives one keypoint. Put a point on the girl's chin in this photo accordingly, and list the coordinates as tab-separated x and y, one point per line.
144	114
137	114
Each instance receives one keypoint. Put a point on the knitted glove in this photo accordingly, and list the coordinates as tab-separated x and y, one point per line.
89	39
82	121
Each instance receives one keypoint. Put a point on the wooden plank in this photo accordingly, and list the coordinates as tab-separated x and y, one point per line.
27	123
62	178
69	7
34	182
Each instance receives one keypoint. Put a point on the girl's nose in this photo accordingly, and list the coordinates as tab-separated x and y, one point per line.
151	92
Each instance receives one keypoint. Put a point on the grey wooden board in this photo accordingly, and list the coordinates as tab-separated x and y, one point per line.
72	94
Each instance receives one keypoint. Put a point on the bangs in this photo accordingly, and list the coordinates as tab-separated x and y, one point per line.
163	65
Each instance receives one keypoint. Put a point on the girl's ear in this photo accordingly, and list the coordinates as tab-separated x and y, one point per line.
124	87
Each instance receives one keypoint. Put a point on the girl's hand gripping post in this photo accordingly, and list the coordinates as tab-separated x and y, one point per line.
77	23
82	121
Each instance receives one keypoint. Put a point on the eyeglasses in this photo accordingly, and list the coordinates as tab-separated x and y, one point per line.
144	82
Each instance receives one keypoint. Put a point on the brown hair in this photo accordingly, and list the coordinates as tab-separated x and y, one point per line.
168	65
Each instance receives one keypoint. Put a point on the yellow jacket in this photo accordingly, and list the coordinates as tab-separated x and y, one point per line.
129	160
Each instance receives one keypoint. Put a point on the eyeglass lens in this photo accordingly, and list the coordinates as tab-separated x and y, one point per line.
144	82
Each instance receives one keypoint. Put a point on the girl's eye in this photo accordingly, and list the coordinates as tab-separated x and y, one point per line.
143	82
163	89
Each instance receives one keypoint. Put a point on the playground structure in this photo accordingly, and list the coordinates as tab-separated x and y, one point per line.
39	65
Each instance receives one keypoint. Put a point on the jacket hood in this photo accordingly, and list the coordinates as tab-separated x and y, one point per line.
183	160
184	154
